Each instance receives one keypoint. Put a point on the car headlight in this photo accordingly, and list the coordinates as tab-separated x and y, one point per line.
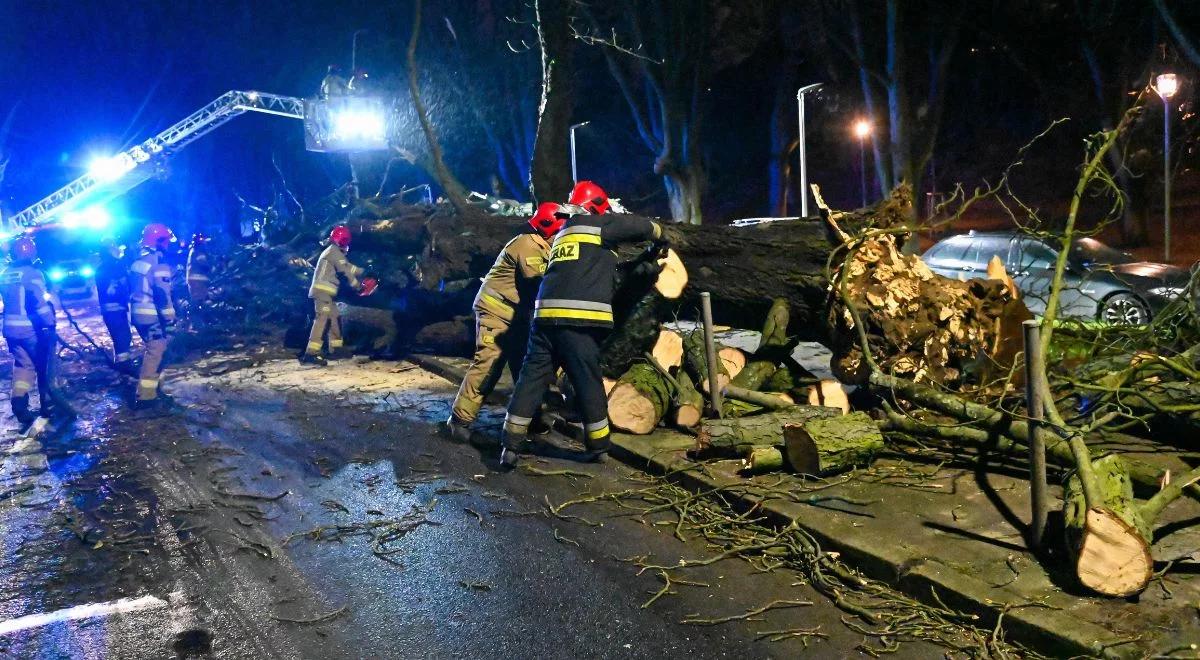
1167	291
56	274
87	271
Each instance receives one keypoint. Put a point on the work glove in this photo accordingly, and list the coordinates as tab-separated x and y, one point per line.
369	284
659	247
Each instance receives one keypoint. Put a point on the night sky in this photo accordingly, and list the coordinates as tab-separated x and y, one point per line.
87	77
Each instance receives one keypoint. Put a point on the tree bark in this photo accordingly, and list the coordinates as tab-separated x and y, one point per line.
825	446
760	460
639	399
688	403
732	437
550	176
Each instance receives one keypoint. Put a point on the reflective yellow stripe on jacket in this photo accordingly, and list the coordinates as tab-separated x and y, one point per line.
583	310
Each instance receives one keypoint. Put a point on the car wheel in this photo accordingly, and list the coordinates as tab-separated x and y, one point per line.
1124	309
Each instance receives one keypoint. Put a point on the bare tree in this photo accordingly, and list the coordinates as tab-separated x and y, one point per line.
551	171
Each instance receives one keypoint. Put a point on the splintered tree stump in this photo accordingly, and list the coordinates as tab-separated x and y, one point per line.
733	437
829	393
668	349
1110	541
760	460
639	399
688	403
835	444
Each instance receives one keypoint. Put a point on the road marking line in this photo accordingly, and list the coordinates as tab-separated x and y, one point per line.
89	611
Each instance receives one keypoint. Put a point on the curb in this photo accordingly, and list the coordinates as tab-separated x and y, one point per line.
1046	630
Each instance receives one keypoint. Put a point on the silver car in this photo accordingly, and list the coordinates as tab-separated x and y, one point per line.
1100	282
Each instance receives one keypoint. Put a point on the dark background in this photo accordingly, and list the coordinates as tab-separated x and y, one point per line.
87	77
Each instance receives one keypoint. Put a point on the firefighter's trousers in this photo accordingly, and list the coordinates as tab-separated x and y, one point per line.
326	314
154	336
577	350
498	343
33	361
119	331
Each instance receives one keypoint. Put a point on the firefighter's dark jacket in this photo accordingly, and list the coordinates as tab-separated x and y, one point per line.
578	287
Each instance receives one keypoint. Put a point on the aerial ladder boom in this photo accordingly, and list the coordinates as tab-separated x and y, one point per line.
124	171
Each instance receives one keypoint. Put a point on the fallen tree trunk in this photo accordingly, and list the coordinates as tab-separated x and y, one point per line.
1110	540
732	437
825	446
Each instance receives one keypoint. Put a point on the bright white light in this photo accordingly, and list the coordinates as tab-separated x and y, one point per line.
111	168
862	128
93	217
1166	85
358	125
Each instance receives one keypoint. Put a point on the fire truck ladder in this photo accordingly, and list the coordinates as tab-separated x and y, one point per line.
124	171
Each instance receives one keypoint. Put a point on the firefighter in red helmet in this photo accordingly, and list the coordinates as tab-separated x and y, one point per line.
330	265
571	317
151	307
29	320
503	308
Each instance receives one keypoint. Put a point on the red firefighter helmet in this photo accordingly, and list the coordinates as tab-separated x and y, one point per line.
340	236
24	249
549	219
591	197
155	234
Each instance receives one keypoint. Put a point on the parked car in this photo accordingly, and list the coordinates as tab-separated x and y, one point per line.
1100	282
72	279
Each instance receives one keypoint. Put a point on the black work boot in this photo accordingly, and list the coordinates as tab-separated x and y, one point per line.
457	430
596	450
318	360
20	408
511	449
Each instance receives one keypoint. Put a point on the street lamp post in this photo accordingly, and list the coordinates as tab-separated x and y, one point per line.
574	171
862	128
803	152
1166	85
354	50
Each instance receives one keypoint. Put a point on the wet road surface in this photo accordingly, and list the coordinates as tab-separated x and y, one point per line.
281	511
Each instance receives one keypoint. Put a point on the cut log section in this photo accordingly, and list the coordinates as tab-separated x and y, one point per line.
668	349
1111	541
734	437
829	393
673	278
827	446
639	400
609	384
732	360
688	403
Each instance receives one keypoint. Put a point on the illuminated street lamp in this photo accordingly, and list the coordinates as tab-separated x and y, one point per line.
803	152
1166	84
862	128
574	172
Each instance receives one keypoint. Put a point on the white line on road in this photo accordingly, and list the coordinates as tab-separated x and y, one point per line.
89	611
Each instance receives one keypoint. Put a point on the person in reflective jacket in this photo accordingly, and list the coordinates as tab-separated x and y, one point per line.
503	309
152	308
112	292
330	265
29	320
571	317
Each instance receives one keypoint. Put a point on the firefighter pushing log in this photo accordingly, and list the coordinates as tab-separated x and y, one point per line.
330	265
572	315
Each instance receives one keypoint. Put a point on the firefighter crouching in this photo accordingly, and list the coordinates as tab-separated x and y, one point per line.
572	315
324	288
152	309
112	292
503	308
29	320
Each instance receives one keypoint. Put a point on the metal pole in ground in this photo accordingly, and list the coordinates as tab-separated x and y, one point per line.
710	354
1035	363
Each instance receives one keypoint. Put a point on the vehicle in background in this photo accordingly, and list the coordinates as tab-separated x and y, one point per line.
1099	283
72	279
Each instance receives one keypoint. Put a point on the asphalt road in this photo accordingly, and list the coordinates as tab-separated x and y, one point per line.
281	511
